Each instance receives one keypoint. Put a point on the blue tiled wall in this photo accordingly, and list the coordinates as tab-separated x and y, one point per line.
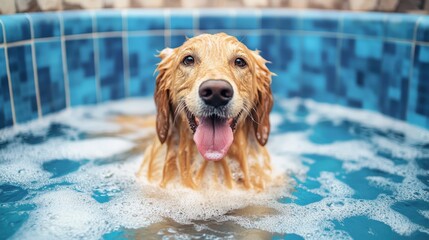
50	76
5	100
111	68
418	110
23	84
142	51
77	22
182	20
45	25
81	71
18	27
395	72
108	21
145	20
374	61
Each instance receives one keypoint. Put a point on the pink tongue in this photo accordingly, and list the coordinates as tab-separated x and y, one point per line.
213	138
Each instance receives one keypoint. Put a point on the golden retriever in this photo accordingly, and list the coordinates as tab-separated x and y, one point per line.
213	101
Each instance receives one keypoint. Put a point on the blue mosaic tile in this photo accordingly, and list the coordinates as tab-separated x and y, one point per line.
366	80
395	74
364	24
372	73
320	22
138	20
17	27
1	32
252	41
418	106
6	118
423	29
318	68
216	20
286	63
401	26
51	76
81	71
111	68
142	53
370	49
359	73
108	21
77	22
306	67
178	40
231	32
181	20
247	20
284	53
22	78
280	20
45	25
270	50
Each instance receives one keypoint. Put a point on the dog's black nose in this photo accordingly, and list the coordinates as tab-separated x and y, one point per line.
216	93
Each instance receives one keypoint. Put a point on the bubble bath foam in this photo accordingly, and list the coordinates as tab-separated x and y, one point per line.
349	174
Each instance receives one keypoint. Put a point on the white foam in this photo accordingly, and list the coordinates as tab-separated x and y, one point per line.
291	164
77	117
424	213
275	120
297	143
22	163
71	211
75	150
399	150
64	214
376	120
22	173
332	187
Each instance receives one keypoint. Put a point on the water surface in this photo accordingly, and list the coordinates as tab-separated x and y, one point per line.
350	174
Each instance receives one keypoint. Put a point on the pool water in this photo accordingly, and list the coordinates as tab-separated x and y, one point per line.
350	174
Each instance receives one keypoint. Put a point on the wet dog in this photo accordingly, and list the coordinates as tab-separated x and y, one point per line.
213	101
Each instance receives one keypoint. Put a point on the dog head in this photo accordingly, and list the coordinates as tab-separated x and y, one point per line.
216	83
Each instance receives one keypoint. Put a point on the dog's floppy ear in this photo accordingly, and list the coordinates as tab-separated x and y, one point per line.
162	98
264	99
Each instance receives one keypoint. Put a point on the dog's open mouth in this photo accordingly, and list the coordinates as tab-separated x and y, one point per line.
213	135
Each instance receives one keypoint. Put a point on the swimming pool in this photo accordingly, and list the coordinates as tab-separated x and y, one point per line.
353	172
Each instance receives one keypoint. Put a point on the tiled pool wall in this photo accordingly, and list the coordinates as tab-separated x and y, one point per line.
374	61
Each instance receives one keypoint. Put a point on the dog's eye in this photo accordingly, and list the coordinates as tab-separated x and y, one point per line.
188	61
239	62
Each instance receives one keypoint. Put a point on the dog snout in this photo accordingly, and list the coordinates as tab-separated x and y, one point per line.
216	93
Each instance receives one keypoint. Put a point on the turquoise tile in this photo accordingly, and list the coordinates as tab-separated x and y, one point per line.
2	37
111	68
6	118
181	20
45	25
51	76
363	24
144	20
219	19
401	26
108	21
247	20
77	22
178	40
320	21
423	29
280	20
17	27
81	72
23	86
142	51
